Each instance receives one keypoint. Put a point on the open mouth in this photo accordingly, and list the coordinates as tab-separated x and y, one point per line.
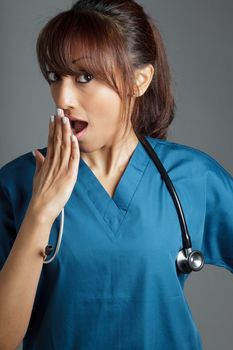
78	128
77	125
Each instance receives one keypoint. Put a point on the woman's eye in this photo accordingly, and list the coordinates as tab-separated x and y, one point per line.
87	75
51	77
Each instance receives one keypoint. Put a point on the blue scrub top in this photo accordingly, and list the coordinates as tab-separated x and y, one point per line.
114	283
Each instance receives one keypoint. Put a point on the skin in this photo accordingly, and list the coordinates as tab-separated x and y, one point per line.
102	147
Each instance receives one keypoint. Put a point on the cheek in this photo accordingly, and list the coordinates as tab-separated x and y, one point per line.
104	107
52	93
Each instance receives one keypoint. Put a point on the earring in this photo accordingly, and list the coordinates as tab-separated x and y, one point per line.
136	91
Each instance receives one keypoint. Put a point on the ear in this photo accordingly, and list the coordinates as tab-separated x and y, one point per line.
143	77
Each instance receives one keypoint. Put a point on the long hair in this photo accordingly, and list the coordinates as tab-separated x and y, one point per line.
114	37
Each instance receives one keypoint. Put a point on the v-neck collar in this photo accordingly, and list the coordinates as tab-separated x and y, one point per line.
114	209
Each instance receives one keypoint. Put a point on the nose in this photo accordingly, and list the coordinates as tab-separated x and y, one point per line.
65	94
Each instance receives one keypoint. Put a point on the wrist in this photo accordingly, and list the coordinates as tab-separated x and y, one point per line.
36	215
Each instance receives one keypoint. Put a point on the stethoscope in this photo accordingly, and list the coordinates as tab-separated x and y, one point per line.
187	260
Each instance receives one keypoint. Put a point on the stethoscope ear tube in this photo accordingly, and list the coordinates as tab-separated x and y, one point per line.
187	260
49	247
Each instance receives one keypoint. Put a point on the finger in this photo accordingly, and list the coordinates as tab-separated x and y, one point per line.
39	160
74	156
66	143
57	143
50	148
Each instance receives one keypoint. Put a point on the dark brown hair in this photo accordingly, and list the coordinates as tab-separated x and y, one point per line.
114	37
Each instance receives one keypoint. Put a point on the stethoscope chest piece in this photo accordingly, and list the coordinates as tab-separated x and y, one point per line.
189	260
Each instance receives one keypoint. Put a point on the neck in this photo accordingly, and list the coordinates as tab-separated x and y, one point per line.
111	159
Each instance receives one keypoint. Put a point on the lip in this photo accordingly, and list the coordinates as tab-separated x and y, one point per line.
80	134
73	118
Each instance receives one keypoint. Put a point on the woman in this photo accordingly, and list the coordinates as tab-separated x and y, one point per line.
114	283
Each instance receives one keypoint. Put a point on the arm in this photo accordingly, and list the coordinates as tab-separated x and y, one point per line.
54	179
218	229
19	279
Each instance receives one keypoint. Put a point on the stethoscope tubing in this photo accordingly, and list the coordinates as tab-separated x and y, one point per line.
187	260
186	240
49	247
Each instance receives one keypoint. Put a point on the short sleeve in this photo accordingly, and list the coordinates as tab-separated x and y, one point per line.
217	245
7	224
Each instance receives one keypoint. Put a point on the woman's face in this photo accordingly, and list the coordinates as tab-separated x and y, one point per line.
84	97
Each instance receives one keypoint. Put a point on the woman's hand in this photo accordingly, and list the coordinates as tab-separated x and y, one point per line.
56	174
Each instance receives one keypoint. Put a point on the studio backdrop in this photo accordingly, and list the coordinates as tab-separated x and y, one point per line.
198	40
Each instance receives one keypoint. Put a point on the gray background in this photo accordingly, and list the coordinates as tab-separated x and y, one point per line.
198	39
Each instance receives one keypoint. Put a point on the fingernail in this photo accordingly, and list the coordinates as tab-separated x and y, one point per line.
60	112
33	152
52	118
64	120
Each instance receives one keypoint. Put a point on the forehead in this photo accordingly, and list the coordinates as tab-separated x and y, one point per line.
79	56
76	60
